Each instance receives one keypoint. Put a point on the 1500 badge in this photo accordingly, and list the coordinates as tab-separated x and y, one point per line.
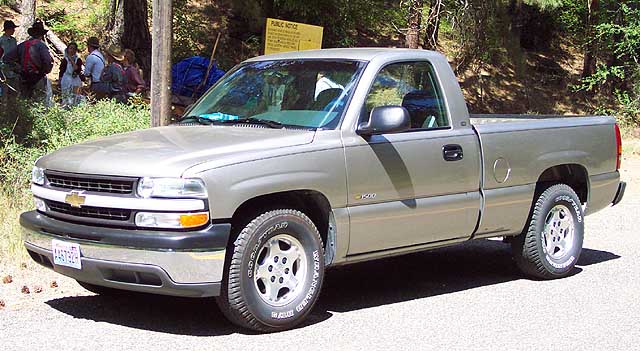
370	196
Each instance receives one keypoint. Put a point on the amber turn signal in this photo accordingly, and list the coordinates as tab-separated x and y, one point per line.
193	220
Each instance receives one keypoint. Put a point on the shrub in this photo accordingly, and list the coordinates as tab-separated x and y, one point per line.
31	131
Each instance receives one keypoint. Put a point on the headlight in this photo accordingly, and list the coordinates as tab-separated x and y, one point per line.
37	175
171	220
172	188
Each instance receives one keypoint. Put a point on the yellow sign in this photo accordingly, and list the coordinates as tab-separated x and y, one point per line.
285	36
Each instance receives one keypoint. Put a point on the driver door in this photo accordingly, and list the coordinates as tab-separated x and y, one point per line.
401	190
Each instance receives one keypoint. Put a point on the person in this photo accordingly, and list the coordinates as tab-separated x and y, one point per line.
112	82
95	62
8	75
70	75
325	83
35	61
7	41
135	83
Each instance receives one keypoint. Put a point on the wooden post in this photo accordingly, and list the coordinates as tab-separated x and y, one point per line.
161	63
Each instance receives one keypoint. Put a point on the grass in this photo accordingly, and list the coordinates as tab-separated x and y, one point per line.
10	240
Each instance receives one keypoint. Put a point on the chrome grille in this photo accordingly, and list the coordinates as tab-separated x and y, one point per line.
112	214
90	183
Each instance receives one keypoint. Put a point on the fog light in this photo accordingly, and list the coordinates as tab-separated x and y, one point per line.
40	205
171	220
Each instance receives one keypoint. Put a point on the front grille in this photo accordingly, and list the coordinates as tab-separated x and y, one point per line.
112	214
90	183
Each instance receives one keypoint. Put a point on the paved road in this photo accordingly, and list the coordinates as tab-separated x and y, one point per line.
466	297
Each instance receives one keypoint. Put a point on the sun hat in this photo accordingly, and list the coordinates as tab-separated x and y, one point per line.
115	52
37	29
8	24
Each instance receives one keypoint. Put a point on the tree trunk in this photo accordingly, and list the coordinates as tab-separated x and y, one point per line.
27	17
414	21
114	29
433	25
136	34
589	66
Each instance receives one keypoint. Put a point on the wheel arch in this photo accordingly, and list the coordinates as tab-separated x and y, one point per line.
310	202
574	175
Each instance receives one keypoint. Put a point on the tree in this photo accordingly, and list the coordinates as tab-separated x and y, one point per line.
414	21
589	65
128	27
433	25
136	34
27	17
114	28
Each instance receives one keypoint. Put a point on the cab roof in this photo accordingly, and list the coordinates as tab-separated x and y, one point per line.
359	54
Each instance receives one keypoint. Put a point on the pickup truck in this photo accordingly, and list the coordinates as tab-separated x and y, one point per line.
296	162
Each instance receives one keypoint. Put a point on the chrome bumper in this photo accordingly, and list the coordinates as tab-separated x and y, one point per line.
195	273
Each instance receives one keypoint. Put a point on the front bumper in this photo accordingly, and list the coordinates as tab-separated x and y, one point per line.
187	264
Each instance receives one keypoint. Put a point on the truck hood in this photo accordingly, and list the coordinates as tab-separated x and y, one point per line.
169	151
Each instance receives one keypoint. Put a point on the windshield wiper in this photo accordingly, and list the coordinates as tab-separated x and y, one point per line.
246	120
197	119
252	120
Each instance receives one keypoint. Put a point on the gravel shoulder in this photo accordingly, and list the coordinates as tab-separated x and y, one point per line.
467	296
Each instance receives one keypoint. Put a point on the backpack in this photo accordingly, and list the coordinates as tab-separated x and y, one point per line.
30	71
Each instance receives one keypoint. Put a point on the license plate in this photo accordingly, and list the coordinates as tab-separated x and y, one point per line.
66	254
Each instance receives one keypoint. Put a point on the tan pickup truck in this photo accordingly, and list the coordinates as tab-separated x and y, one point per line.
296	162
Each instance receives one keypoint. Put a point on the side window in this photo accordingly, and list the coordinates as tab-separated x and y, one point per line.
413	86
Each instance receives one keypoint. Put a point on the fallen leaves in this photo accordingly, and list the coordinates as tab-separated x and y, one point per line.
2	304
7	279
25	290
37	289
53	284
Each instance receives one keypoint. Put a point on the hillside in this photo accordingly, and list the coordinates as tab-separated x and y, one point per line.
513	80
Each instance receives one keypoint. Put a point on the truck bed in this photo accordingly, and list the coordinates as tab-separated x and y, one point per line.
517	149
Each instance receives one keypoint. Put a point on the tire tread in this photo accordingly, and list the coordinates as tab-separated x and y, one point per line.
231	302
526	254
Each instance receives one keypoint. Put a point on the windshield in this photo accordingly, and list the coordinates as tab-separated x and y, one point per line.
302	93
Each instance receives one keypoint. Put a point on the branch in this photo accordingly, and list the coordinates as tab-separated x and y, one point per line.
58	44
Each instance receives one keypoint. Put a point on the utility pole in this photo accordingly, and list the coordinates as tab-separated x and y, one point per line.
161	63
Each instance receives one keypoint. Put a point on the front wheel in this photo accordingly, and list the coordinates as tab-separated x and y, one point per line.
551	245
274	276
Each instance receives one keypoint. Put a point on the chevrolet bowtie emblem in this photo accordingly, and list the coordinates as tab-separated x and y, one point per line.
75	199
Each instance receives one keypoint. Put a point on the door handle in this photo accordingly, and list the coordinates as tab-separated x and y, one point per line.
452	152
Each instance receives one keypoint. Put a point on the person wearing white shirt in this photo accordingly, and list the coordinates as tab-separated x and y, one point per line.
94	64
325	83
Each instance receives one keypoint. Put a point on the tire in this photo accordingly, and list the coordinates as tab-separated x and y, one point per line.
274	272
100	290
551	244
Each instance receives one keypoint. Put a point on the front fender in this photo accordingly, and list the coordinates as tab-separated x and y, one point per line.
322	171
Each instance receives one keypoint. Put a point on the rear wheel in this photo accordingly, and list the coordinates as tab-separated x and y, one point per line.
551	245
274	274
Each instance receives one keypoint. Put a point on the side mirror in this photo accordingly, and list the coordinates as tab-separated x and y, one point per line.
385	120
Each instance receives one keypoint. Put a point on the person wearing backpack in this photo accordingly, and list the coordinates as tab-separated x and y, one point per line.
35	61
95	62
113	80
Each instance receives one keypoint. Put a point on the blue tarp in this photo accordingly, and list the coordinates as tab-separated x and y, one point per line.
189	73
